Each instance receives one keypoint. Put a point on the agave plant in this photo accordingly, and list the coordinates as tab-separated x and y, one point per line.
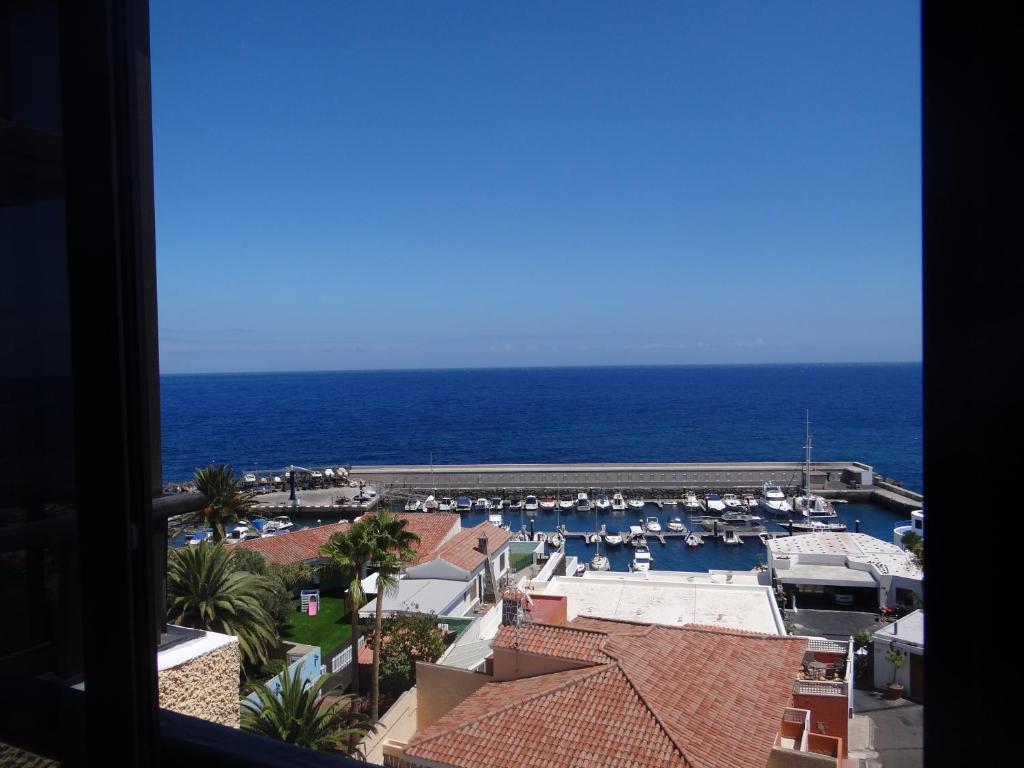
226	501
295	714
205	591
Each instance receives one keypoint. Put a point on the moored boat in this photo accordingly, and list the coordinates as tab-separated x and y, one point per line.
602	502
612	539
618	503
714	503
463	504
447	504
548	502
731	537
773	500
693	540
691	503
530	504
653	525
582	502
636	503
676	524
641	560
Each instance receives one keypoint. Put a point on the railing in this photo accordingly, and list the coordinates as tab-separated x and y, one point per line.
827	646
821	687
344	657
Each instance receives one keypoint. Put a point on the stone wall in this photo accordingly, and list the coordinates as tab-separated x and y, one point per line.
205	686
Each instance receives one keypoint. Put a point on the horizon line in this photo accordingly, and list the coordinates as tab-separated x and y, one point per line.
537	367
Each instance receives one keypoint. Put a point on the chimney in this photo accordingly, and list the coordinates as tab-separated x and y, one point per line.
481	544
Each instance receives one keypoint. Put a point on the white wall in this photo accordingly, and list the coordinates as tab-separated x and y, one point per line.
884	669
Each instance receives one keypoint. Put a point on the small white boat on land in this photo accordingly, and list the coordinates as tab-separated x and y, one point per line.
676	524
693	540
618	503
612	539
641	560
730	537
636	503
602	503
653	525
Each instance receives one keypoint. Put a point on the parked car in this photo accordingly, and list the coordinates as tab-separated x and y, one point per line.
843	598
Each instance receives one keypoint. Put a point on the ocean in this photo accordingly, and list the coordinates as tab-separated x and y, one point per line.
867	412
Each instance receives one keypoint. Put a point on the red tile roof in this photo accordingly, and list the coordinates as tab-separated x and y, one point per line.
303	545
554	640
654	696
461	549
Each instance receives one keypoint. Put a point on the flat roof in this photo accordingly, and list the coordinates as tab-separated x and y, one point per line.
832	575
909	629
178	654
886	557
420	595
674	599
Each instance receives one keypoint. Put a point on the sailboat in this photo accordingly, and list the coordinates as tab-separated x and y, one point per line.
599	562
813	508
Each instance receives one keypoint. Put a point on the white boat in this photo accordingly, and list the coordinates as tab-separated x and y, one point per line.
600	563
691	503
531	504
741	518
693	540
515	503
731	501
748	501
244	531
653	525
480	505
249	477
669	502
463	504
714	503
565	504
275	525
636	503
200	536
612	539
731	537
676	524
548	502
817	526
618	503
496	520
430	504
641	560
580	569
635	532
582	502
495	504
447	505
773	501
329	473
814	507
413	504
556	540
602	503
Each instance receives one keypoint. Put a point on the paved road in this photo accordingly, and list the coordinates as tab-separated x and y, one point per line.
897	732
833	624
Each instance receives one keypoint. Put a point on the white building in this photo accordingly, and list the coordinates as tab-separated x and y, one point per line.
871	571
906	636
914	525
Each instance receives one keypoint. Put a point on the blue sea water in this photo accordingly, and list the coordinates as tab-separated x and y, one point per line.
866	412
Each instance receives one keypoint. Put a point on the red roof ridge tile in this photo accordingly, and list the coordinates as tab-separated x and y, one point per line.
661	724
731	631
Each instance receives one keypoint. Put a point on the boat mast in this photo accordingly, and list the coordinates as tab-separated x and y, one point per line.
807	455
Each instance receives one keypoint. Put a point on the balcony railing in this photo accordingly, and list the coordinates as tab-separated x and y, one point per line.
821	687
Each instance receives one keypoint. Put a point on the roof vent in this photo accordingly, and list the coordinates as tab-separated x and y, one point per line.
481	544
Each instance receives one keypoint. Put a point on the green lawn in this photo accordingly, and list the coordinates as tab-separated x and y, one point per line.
328	629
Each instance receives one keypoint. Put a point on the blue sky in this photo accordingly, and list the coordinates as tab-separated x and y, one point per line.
457	184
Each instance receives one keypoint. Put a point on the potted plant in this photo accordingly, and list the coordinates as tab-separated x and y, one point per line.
894	690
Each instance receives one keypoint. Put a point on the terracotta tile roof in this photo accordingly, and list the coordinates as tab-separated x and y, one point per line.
461	549
699	696
565	642
303	545
610	626
583	717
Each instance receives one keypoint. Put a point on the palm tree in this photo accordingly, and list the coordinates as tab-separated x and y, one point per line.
206	592
296	715
347	552
391	550
226	501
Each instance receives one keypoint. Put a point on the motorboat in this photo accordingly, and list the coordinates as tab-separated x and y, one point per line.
618	503
602	503
676	525
249	478
731	538
548	502
480	505
693	540
600	562
669	502
496	520
641	560
447	505
714	503
741	518
818	526
565	504
244	531
635	532
691	503
773	501
531	504
414	504
582	502
275	525
748	501
463	504
556	540
430	504
731	501
516	503
200	536
653	525
814	507
612	539
636	503
496	504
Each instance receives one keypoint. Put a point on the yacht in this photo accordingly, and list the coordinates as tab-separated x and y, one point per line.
748	501
618	503
731	501
516	503
641	560
447	504
602	503
414	504
612	539
463	504
714	503
531	504
773	501
676	524
548	502
731	537
430	504
241	532
565	504
281	524
691	503
653	525
741	518
582	502
636	503
814	507
600	563
495	504
817	526
693	540
480	505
